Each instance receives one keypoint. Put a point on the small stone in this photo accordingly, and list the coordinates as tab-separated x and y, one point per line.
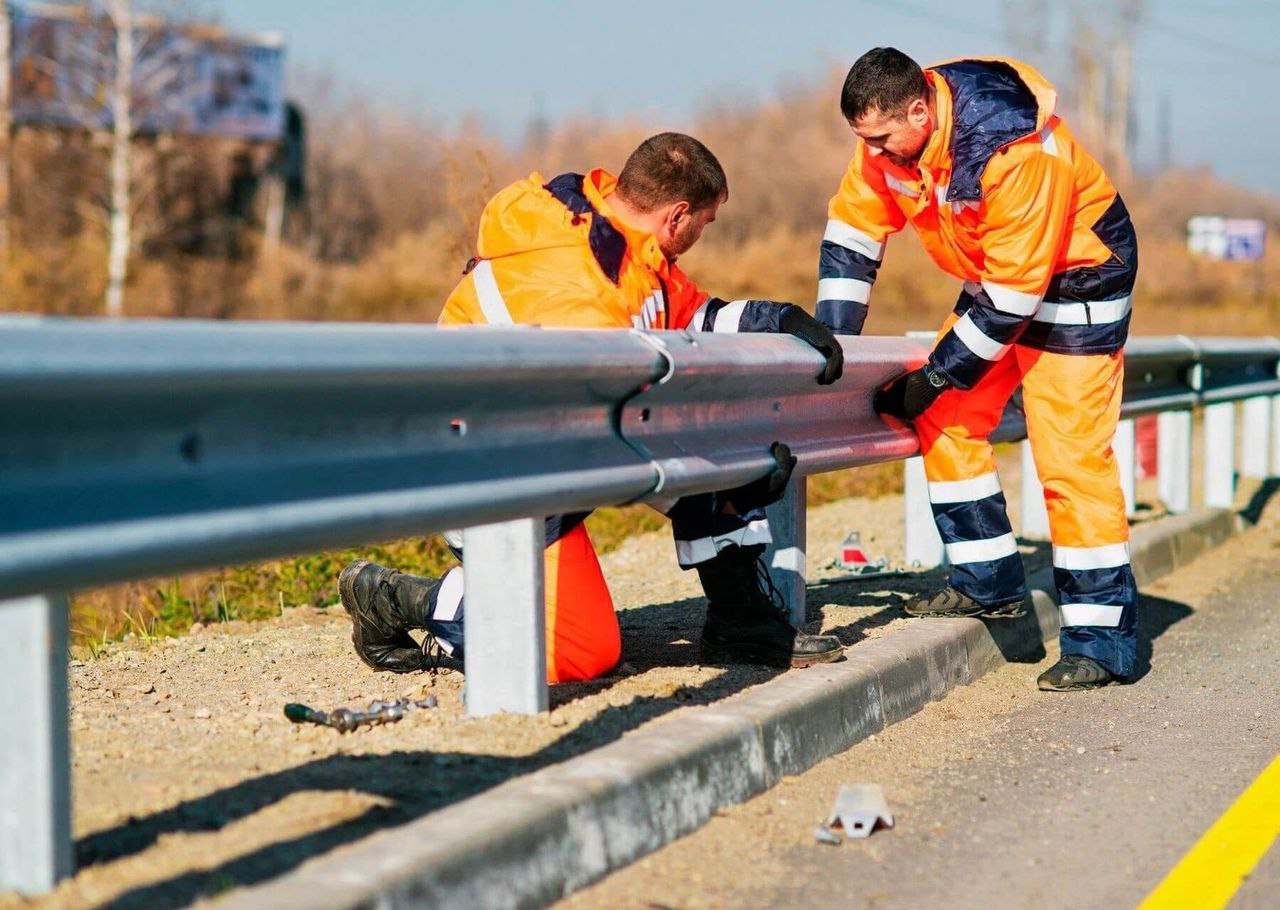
147	688
197	627
1079	750
203	713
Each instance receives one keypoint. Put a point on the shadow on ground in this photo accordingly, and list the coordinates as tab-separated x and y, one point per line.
417	783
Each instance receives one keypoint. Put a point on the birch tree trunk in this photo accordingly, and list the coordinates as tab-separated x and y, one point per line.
118	250
6	133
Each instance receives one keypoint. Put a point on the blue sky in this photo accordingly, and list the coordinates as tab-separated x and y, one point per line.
1210	63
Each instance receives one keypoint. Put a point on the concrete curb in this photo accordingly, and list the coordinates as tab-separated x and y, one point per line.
535	839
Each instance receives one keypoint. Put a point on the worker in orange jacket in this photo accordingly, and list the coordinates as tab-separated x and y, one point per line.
973	155
595	251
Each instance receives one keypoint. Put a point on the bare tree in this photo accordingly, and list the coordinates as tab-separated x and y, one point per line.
117	72
121	206
6	132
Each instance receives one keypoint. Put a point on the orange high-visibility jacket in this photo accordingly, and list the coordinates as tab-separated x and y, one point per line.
1007	201
554	254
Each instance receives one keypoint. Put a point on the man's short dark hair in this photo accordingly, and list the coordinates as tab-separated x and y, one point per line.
883	79
672	167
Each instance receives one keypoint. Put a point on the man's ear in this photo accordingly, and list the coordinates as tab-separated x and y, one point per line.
677	214
918	112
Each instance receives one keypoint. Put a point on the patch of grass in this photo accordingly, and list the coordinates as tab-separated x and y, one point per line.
157	608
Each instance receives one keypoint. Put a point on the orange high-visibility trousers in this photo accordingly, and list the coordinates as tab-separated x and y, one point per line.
1072	405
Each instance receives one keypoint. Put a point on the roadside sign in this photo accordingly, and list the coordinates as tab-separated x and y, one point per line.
1227	238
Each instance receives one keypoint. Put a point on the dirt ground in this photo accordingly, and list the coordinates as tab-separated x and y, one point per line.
188	780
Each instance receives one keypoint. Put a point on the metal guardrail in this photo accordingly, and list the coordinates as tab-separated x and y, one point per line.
135	449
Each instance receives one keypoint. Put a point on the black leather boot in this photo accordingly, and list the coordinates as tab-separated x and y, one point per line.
745	620
384	605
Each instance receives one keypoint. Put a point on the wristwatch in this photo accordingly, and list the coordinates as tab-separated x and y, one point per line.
936	379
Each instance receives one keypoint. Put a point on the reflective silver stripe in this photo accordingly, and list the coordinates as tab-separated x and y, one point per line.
1048	140
844	289
729	316
849	237
971	490
899	187
992	548
1007	300
699	320
693	552
1105	557
940	193
651	311
449	596
491	302
978	341
1098	312
1107	615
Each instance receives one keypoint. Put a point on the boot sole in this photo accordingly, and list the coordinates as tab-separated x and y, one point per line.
1074	687
751	654
347	594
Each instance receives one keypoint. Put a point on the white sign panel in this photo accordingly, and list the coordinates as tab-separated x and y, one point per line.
1227	238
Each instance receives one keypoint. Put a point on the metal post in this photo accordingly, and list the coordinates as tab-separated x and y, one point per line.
1275	436
923	545
1124	445
1173	454
1035	517
505	619
35	768
1219	455
786	555
1255	440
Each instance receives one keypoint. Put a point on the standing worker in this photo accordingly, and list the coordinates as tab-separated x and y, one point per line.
597	251
972	154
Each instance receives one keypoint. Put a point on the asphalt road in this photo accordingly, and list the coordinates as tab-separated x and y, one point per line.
1008	797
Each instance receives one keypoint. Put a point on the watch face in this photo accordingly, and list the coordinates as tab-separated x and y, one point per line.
937	380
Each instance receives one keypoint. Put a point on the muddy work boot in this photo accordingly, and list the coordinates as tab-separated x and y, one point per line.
384	605
745	621
950	602
1073	672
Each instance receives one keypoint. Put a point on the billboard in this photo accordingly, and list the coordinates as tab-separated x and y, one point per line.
1227	238
186	79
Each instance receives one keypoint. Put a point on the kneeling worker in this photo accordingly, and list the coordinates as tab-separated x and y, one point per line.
597	251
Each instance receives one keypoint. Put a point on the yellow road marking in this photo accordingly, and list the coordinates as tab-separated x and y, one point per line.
1213	870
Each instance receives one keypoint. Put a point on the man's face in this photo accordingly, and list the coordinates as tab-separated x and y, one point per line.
900	138
683	226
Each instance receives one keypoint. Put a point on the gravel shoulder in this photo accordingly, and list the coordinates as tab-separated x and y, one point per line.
188	780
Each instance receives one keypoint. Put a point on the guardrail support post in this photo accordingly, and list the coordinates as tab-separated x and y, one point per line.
786	556
1173	456
505	620
1219	455
923	545
1035	517
1275	436
1256	437
35	767
1125	446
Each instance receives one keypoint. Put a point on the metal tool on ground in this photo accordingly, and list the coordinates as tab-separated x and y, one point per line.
859	810
344	720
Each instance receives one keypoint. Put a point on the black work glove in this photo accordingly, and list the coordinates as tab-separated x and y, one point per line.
768	489
795	321
910	395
